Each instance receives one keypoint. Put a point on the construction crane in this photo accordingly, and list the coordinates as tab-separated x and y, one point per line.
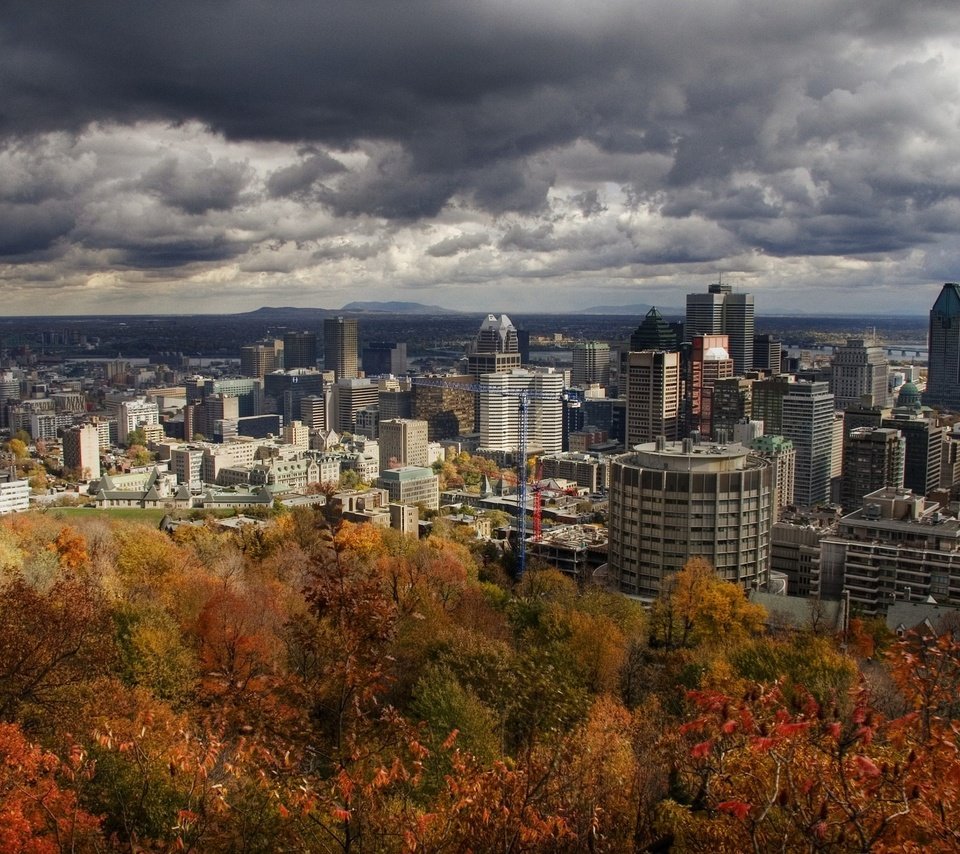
523	401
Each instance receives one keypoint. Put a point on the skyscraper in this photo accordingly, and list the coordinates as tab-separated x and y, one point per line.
495	350
403	442
943	374
591	364
300	350
808	421
668	500
709	362
872	459
500	410
722	312
860	369
653	396
340	347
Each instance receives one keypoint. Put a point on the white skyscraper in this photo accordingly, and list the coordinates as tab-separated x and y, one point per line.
808	421
500	413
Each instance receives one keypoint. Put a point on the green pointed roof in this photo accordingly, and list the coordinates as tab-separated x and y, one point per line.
654	333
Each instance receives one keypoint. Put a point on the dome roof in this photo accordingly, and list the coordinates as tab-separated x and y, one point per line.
715	354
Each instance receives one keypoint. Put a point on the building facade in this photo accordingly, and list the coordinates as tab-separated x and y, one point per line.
808	421
722	312
860	370
943	373
671	501
653	396
340	341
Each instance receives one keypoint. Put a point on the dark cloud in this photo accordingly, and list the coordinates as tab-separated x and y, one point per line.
196	189
618	136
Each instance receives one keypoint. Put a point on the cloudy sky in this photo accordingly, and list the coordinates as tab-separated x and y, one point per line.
219	155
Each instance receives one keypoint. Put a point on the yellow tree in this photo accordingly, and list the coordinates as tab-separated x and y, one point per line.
697	607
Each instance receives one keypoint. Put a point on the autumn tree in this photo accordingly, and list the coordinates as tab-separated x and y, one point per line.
39	811
695	606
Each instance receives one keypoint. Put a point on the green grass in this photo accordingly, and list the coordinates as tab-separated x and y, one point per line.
148	515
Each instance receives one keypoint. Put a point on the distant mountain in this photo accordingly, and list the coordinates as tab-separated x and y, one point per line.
285	312
638	310
398	307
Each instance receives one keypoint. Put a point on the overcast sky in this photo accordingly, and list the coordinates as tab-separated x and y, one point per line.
219	155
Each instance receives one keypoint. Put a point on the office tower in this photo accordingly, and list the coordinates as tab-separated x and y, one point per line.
283	390
248	391
860	369
808	421
767	403
709	362
313	411
924	449
215	407
654	333
668	500
300	350
403	442
447	409
732	403
381	358
340	347
353	394
783	457
722	312
81	451
943	373
873	458
499	404
494	350
653	396
767	352
591	364
260	359
396	403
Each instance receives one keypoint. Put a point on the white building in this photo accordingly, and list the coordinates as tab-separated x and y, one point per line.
14	493
499	404
135	413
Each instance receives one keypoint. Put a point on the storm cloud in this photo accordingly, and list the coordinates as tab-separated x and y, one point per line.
500	153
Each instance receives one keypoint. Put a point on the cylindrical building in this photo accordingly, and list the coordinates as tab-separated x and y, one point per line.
671	501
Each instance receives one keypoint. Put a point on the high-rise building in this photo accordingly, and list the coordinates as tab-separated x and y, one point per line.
591	364
260	359
653	396
709	362
943	373
403	442
340	337
808	421
669	501
313	411
495	350
297	433
248	391
135	413
654	333
722	312
767	404
780	451
81	451
767	354
300	350
732	403
447	409
500	410
353	394
872	459
860	369
385	357
285	389
923	452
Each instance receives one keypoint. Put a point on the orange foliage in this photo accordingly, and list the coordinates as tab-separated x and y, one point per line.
38	815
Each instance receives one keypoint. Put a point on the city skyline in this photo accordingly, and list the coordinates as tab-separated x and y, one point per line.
484	157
